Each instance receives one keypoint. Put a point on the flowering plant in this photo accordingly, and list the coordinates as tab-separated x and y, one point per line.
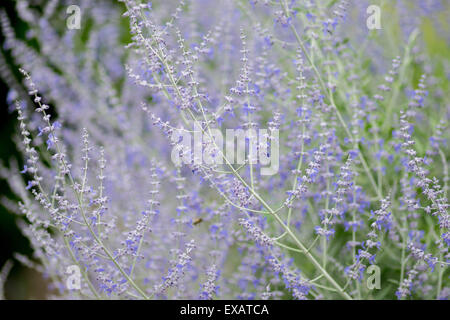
354	206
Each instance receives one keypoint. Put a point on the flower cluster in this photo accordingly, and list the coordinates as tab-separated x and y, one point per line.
362	150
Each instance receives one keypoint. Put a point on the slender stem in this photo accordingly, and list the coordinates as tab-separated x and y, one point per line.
81	206
329	95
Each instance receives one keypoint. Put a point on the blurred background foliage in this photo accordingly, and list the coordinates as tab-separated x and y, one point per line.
20	283
434	35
